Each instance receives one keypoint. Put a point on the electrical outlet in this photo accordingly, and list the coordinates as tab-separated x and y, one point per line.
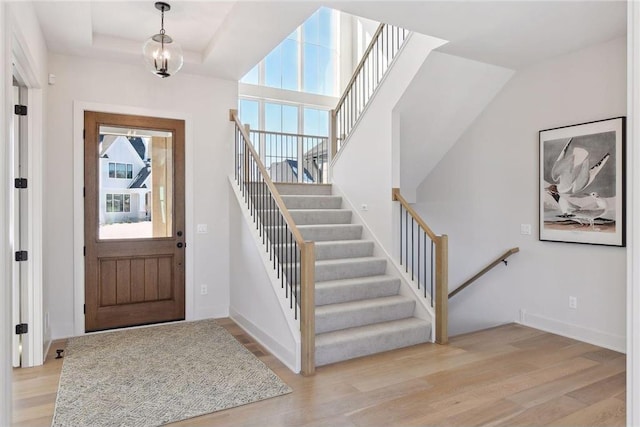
525	229
204	290
202	229
573	303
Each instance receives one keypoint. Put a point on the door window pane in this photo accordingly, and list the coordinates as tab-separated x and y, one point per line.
139	203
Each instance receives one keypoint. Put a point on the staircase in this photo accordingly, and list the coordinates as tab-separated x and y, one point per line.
359	310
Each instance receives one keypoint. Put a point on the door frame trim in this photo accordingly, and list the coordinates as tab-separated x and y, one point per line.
79	108
17	49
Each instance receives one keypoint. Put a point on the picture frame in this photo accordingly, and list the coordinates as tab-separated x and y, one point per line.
582	183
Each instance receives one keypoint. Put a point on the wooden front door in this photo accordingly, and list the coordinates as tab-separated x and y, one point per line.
134	220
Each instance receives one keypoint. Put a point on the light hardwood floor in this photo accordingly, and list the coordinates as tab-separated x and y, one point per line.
506	376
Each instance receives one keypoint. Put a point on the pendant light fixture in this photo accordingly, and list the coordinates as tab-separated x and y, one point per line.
162	55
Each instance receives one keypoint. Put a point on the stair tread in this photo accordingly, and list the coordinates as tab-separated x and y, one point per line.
344	242
330	226
339	261
346	335
319	210
310	196
357	280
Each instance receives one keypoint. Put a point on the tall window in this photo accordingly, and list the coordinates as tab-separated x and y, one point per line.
306	61
282	117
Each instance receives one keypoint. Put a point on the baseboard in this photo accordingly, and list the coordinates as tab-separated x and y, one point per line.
569	330
214	312
47	347
288	358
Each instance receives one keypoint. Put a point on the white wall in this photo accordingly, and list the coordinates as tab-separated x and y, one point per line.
445	97
487	185
366	167
257	301
205	101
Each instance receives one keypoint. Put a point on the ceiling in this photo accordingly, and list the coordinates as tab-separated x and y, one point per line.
226	38
219	38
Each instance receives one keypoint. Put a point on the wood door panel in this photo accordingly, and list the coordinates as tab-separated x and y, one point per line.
137	280
165	278
133	279
123	281
151	279
107	277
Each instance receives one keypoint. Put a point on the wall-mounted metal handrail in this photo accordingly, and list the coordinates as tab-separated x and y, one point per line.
501	258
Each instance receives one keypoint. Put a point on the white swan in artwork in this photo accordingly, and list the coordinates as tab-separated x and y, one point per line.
587	214
571	172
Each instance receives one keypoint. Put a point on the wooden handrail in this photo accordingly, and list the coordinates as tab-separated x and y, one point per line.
397	197
233	116
441	297
307	260
501	258
298	135
364	58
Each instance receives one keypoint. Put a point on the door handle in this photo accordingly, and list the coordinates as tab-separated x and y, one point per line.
180	245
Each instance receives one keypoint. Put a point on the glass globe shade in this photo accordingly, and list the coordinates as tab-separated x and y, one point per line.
162	55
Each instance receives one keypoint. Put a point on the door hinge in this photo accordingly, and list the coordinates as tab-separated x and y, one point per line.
84	308
21	182
22	328
20	110
84	250
22	256
84	133
84	191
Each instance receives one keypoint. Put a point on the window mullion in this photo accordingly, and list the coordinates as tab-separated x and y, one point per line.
301	59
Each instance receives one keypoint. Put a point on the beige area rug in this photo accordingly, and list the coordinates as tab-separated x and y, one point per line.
157	375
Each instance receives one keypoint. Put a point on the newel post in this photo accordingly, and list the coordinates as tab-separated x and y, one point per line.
442	289
333	134
307	308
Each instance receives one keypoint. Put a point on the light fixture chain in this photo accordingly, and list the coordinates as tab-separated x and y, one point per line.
162	22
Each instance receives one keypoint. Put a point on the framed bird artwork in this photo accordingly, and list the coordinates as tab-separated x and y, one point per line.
582	183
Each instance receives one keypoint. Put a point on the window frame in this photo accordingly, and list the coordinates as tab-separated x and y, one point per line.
128	170
124	200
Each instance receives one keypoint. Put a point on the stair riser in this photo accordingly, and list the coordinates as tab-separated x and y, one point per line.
325	251
304	189
329	233
301	202
328	251
308	217
336	352
354	292
350	270
335	321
